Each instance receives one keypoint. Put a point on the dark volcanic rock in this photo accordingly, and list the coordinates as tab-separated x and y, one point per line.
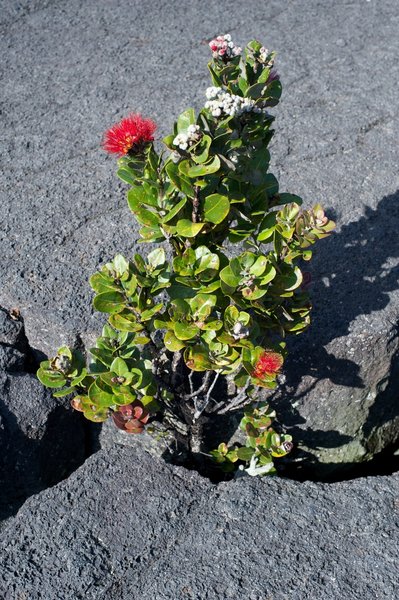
72	71
14	348
41	439
126	526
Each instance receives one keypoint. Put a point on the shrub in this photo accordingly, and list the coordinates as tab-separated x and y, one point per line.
193	334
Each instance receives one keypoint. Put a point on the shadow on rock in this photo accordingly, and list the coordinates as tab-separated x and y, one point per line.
42	440
352	275
355	272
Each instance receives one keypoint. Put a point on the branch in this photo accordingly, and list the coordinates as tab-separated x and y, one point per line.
238	402
203	388
196	204
204	404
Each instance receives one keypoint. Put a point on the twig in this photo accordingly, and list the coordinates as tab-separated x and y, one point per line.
239	401
203	388
196	204
235	406
190	381
204	404
175	365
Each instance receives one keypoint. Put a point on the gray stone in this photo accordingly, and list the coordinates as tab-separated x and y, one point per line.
128	526
341	397
41	439
13	342
73	71
11	329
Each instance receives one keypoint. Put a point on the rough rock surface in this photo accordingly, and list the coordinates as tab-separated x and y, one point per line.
41	439
73	68
128	526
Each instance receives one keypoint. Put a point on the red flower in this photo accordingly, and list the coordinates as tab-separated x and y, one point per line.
130	134
269	362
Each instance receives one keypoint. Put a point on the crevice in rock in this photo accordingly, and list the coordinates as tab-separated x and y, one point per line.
42	440
383	463
65	439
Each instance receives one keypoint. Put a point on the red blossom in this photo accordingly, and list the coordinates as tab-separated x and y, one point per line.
269	362
130	134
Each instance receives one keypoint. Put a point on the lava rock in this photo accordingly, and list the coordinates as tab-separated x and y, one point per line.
341	396
11	329
126	525
41	440
14	346
337	128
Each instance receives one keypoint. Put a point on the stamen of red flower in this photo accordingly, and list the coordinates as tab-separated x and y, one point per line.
129	135
268	363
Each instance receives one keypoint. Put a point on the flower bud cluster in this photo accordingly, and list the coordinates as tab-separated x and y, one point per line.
184	140
221	103
263	54
223	47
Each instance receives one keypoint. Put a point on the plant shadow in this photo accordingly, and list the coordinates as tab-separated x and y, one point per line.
354	272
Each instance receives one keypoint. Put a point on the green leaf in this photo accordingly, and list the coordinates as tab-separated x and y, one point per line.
205	169
255	91
215	325
216	80
229	277
216	208
202	305
203	148
264	76
270	184
51	379
268	274
185	331
150	403
273	92
186	119
97	416
64	392
156	258
187	228
101	282
121	265
197	359
119	367
109	302
267	227
151	234
293	280
208	267
125	322
175	210
100	394
245	453
136	198
172	343
104	356
147	217
126	175
150	312
77	380
259	266
182	182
